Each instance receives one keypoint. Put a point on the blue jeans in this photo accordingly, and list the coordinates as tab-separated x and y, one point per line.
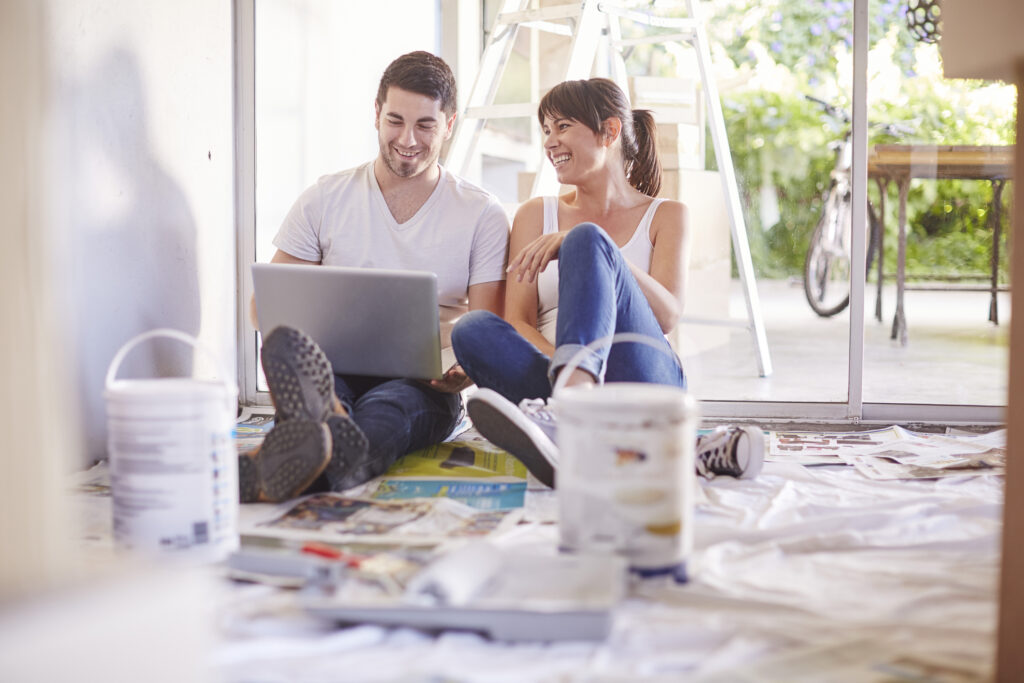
397	416
597	296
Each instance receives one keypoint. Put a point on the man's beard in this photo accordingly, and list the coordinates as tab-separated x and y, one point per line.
396	164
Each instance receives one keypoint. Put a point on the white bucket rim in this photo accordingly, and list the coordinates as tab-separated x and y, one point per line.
137	390
626	398
114	386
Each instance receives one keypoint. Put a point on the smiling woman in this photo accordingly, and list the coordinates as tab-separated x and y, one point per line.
605	257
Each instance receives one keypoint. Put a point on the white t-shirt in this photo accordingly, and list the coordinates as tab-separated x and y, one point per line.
460	234
637	250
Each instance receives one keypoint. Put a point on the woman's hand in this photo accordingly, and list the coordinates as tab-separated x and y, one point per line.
535	256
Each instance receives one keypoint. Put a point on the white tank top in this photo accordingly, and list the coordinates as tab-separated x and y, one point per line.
637	251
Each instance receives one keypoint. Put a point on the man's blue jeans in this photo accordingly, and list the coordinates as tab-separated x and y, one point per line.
397	416
597	296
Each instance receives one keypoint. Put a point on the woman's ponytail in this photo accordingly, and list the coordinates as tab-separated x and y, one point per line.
644	169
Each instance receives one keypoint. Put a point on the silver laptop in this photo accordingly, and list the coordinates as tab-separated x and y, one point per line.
368	321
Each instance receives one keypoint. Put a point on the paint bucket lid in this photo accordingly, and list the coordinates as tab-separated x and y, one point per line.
626	401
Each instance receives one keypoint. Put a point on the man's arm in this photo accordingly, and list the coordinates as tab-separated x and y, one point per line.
488	296
279	257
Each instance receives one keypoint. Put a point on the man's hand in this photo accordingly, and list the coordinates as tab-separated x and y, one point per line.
454	381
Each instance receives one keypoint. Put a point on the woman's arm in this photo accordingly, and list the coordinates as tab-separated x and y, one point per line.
521	294
665	284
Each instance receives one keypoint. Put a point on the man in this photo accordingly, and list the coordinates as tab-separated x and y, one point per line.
402	210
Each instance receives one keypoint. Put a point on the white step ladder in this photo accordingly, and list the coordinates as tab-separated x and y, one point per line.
592	24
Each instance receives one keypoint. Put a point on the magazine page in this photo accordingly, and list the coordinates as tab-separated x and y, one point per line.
338	518
824	448
917	455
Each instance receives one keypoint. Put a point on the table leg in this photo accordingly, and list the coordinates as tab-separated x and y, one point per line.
997	205
899	321
883	189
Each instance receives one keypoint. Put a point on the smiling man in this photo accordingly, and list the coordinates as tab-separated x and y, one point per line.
402	210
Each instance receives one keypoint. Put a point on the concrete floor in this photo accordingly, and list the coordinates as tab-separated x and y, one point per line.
954	356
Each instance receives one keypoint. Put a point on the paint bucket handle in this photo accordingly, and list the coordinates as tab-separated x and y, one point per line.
115	364
592	347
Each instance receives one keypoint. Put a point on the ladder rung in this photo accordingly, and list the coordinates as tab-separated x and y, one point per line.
502	111
551	13
548	27
684	37
648	19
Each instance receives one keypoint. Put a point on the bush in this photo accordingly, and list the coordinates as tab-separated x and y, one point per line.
780	141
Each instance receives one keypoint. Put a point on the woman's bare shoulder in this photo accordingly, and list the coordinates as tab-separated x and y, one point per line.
670	209
671	216
531	207
529	217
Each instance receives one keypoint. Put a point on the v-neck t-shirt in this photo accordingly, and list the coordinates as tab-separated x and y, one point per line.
460	233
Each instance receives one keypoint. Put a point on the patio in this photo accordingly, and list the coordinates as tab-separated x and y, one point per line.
954	355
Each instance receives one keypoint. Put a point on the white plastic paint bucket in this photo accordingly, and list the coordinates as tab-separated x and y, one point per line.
173	465
626	476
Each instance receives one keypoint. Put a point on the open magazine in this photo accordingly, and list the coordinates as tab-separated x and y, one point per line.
339	518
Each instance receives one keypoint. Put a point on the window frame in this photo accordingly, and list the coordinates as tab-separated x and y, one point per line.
853	411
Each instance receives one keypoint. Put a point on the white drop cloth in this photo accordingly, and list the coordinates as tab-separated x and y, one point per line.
804	574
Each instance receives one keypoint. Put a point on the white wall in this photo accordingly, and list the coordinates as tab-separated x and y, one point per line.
141	186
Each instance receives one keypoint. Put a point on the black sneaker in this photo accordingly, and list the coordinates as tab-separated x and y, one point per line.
290	459
349	447
299	375
499	421
733	451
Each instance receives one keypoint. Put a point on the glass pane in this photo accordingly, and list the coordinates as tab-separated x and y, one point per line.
943	336
789	154
316	80
784	72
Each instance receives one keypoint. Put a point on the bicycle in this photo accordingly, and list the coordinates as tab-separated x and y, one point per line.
827	264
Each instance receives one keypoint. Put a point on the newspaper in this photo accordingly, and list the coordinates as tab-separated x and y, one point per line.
824	448
459	460
474	473
930	456
485	495
251	428
895	452
339	518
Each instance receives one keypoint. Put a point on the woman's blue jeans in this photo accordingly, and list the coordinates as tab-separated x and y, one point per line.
597	296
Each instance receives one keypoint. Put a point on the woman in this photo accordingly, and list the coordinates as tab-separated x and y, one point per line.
618	252
619	265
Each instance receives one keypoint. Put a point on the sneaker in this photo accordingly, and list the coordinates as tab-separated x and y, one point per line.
299	375
499	421
290	459
539	412
733	451
349	447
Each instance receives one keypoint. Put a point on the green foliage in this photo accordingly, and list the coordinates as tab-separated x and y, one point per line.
779	50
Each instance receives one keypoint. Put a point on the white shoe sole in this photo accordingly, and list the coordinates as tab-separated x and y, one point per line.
502	423
754	452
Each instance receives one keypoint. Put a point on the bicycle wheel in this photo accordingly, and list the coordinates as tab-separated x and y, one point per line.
827	266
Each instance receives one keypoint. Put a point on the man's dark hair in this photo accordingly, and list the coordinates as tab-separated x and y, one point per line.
422	73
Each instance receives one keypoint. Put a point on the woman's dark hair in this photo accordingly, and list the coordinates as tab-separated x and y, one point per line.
591	103
422	73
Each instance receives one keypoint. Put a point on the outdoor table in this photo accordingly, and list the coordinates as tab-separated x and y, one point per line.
902	163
